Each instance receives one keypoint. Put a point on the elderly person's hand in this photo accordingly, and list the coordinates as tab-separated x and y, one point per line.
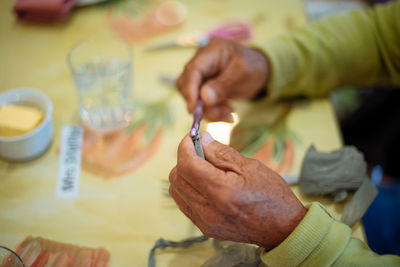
231	197
220	71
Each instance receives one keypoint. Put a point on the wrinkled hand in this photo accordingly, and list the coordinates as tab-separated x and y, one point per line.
231	197
220	71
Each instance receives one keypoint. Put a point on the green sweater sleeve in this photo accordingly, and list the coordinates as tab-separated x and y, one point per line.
359	48
319	240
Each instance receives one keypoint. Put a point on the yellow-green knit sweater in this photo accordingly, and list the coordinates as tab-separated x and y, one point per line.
359	48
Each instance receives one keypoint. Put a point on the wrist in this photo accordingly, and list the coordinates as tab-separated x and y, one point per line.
288	225
283	223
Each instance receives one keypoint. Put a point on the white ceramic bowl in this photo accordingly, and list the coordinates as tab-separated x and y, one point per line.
35	142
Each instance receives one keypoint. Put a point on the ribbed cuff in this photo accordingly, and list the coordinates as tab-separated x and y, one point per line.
317	238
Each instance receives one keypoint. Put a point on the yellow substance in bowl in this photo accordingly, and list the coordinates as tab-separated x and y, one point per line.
18	119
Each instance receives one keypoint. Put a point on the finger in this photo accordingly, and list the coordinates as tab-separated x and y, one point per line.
187	192
208	61
187	210
198	172
179	82
172	175
190	87
210	221
180	202
222	156
221	88
207	220
196	70
221	112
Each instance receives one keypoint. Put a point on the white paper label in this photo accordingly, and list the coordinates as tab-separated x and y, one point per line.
70	162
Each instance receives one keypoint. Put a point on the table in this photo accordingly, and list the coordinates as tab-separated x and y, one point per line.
128	213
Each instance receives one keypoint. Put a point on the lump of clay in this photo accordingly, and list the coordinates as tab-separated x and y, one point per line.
332	173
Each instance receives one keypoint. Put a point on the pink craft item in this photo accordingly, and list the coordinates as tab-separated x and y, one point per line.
43	10
231	31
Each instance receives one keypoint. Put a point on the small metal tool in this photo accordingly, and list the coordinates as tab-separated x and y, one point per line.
194	131
239	30
197	146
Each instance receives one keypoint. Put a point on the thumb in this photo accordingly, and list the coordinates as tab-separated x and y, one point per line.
221	156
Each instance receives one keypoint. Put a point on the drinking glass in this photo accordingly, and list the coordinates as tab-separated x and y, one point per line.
102	71
9	258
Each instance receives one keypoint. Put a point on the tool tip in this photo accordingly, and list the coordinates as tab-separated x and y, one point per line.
193	132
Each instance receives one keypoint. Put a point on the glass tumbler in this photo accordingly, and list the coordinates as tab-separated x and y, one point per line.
102	71
9	258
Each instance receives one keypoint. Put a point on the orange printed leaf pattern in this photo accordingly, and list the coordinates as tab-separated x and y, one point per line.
263	135
40	252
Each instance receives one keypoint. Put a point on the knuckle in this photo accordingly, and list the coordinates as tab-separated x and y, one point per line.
181	167
194	63
242	71
253	165
211	43
178	82
217	41
224	153
172	175
171	192
202	50
189	67
217	44
184	168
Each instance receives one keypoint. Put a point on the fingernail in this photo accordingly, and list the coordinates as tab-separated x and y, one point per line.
211	96
206	138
